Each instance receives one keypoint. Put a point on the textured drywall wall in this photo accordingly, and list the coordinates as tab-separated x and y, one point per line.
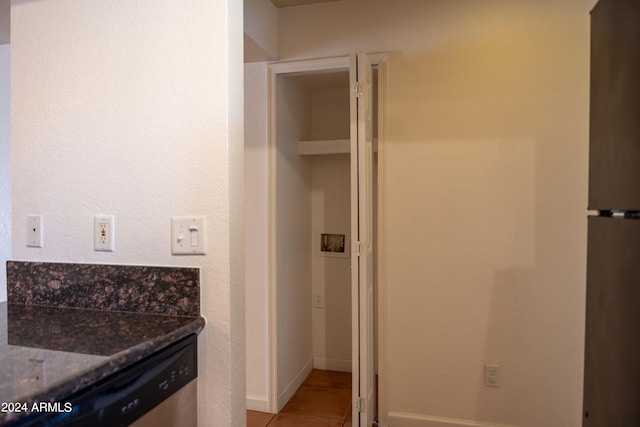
293	236
5	178
135	109
256	258
483	169
260	31
331	213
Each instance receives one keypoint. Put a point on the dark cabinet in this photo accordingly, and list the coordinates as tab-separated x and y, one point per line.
614	134
612	348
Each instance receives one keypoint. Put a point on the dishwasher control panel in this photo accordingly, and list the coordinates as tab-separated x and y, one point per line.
124	397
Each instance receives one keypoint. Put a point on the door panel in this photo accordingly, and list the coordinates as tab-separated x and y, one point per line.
612	349
614	134
362	229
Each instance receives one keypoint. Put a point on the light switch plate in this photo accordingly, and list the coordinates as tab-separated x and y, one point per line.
188	235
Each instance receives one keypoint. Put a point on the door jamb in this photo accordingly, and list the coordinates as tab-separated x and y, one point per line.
274	69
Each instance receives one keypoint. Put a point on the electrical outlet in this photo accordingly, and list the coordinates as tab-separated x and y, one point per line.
103	233
492	375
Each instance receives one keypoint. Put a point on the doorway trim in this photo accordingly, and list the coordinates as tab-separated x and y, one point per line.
275	69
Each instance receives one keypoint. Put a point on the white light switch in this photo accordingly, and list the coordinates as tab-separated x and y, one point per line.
188	235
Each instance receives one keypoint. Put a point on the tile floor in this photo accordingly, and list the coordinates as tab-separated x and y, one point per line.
323	400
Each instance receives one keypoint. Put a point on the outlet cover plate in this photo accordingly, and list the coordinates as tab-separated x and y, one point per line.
37	371
34	231
492	375
104	233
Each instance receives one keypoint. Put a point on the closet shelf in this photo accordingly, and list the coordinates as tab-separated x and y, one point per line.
328	146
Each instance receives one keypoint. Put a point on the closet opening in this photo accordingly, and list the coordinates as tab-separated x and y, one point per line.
314	297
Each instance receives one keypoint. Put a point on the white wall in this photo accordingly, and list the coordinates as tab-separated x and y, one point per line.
261	44
482	200
292	238
135	109
5	184
260	31
256	255
331	213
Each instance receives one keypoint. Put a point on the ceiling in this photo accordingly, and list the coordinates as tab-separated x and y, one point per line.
289	3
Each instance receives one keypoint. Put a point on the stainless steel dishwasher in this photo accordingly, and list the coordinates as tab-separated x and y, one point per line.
159	391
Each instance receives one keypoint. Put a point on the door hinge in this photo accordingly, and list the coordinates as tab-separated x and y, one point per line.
357	248
360	405
357	90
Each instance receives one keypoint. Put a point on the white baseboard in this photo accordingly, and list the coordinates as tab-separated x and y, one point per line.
293	386
403	419
332	364
255	403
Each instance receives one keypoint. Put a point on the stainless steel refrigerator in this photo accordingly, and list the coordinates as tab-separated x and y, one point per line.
612	341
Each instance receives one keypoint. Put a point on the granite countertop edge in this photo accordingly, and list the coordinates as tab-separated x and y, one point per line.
61	303
118	362
65	391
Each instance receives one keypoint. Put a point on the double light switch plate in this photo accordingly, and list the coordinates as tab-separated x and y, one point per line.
188	235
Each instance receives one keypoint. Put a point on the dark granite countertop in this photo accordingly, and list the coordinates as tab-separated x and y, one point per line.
79	345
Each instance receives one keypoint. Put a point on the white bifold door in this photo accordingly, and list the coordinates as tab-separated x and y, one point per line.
362	273
312	116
